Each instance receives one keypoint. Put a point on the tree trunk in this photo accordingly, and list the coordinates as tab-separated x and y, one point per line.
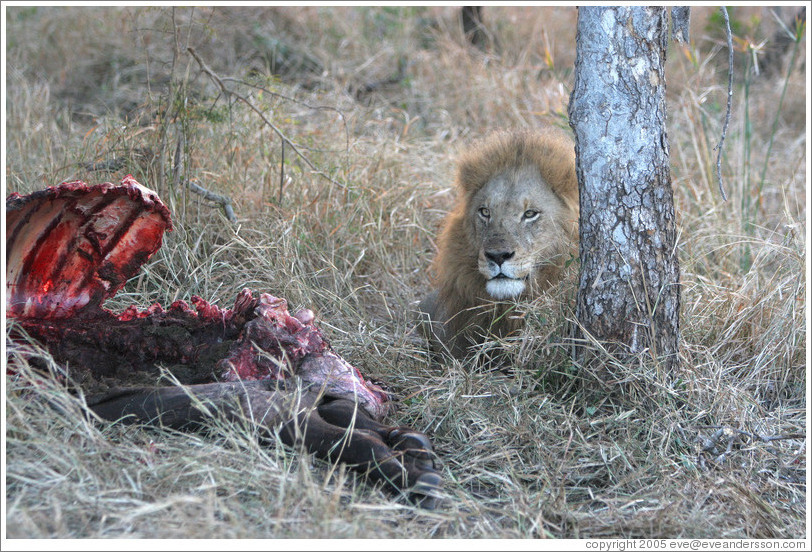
628	296
472	26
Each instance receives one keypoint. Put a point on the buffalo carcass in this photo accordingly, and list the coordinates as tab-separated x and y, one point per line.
71	247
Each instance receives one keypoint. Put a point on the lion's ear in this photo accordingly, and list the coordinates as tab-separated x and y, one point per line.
566	186
482	159
474	169
468	180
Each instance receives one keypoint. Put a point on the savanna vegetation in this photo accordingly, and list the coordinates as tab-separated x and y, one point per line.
374	102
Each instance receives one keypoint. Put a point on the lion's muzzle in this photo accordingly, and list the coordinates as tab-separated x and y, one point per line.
502	273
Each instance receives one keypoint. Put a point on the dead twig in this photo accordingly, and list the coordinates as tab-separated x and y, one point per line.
229	93
298	102
282	173
178	179
222	200
721	430
733	436
177	165
729	102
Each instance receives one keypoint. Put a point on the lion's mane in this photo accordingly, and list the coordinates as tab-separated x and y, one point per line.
460	305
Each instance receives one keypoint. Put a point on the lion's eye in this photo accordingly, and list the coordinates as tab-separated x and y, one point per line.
484	212
530	214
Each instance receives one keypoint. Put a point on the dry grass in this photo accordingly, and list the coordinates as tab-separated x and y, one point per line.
379	100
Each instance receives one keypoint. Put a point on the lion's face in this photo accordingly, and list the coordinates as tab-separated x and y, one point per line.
514	216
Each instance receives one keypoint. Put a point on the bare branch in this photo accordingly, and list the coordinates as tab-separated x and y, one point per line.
282	173
296	101
177	165
228	92
721	431
222	200
729	102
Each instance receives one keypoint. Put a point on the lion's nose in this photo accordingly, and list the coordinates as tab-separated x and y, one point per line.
499	257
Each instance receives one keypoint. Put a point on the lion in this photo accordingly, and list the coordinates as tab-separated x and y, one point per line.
511	232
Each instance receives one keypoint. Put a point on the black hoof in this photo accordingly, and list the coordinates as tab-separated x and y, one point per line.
426	492
415	446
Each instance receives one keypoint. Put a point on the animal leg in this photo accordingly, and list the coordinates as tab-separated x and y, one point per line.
188	408
364	450
415	446
296	416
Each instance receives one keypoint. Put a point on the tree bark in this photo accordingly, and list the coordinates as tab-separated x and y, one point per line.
629	295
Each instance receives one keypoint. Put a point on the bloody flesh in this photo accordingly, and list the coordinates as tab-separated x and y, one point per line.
71	247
